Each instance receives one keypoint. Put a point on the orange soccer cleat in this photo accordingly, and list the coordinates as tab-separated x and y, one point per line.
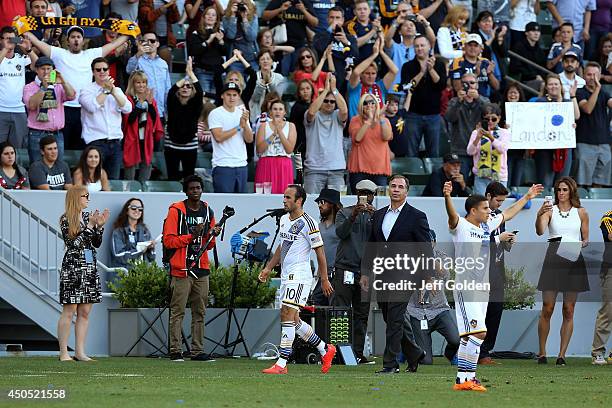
327	358
275	369
471	385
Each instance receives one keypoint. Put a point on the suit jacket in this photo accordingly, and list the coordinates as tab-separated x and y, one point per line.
410	227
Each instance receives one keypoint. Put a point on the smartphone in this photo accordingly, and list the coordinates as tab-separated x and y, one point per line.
466	87
515	232
548	199
338	29
16	40
363	200
52	76
485	125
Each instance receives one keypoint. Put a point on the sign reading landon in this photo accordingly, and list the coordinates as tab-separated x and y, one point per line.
541	125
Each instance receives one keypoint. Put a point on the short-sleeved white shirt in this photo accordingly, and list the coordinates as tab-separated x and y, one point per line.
298	237
12	82
75	68
231	152
472	242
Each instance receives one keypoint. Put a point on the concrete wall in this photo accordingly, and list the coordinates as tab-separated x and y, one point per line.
50	206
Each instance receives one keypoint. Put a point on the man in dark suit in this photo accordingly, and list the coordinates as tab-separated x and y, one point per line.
399	223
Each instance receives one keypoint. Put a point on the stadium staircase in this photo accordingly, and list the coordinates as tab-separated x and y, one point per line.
30	257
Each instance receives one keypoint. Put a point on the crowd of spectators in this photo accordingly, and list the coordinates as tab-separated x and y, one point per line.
342	87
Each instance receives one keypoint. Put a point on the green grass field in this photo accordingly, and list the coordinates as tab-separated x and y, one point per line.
142	382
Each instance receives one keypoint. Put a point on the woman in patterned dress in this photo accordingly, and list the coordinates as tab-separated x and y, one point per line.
79	280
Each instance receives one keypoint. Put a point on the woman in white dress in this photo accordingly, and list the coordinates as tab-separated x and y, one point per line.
564	269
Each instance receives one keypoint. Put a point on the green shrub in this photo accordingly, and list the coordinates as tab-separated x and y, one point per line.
518	293
246	295
144	285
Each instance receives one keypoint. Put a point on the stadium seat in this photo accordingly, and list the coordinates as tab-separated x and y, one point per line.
415	190
175	77
411	167
125	185
163	186
529	172
432	163
23	159
204	160
251	170
600	193
71	157
159	162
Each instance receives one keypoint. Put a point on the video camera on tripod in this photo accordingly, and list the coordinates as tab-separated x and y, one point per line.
251	246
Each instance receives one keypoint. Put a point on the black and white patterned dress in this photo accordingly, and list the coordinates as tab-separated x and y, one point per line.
79	280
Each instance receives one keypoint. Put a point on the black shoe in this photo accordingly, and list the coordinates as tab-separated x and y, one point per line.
202	357
176	357
388	370
560	362
542	360
361	359
412	368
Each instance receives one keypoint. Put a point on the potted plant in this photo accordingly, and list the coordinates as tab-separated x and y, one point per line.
143	293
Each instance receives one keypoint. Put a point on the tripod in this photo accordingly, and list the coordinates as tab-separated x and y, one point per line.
230	310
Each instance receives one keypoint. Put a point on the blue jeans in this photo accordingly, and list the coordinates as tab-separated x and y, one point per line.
34	143
481	183
112	156
230	179
288	63
423	125
206	80
516	167
316	180
378	179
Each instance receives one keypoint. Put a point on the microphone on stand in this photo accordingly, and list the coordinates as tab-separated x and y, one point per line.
276	212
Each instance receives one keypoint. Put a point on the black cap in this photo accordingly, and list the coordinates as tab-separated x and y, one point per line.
532	26
329	195
230	86
42	61
451	158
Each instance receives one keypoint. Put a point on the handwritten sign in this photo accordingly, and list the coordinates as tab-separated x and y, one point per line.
541	125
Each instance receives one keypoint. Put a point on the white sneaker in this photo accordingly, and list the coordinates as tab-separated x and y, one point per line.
599	360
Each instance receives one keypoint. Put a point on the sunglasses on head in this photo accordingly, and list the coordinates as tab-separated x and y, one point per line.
85	196
136	208
101	69
368	103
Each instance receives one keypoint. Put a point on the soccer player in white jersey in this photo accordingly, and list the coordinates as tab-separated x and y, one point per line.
471	237
299	234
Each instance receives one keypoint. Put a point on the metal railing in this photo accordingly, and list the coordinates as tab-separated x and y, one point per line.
30	246
33	249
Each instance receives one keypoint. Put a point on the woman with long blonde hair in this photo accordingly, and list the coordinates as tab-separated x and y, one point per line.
79	280
451	35
370	133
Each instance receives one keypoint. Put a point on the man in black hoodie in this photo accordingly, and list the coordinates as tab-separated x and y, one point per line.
529	47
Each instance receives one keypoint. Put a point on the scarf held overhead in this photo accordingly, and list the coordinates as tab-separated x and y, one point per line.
29	23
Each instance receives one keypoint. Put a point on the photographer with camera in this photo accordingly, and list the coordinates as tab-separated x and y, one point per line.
241	25
343	46
207	48
297	15
186	227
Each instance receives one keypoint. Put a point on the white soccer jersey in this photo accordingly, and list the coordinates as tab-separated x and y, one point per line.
472	248
298	238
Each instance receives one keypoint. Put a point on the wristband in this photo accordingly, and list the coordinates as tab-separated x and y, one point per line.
238	129
335	92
